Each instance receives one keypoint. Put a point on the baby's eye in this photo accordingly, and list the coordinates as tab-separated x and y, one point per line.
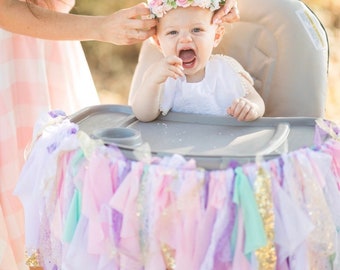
197	30
173	32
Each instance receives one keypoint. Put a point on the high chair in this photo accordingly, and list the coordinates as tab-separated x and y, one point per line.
143	187
284	47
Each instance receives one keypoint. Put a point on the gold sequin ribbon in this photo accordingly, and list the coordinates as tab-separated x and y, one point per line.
266	256
33	260
169	257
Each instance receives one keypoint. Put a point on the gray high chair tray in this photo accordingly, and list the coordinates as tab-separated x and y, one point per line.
213	141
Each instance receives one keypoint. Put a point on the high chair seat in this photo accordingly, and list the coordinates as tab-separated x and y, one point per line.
284	47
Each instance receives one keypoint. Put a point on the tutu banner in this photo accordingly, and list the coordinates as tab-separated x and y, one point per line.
89	207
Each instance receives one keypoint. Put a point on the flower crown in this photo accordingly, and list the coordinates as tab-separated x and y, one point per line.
160	7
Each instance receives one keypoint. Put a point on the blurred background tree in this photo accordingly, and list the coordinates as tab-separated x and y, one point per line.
112	66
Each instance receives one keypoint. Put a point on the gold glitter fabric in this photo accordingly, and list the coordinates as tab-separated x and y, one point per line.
263	193
169	257
321	243
33	260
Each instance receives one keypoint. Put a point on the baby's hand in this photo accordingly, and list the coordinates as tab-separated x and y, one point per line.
170	66
243	110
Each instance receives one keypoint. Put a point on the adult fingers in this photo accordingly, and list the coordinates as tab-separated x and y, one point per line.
143	24
134	17
133	36
142	34
232	16
228	13
138	10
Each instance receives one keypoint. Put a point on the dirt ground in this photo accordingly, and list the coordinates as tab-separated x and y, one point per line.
113	66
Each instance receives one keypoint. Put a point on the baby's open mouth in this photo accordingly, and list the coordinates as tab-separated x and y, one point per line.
188	57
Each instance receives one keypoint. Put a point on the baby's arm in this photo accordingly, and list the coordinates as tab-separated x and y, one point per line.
146	99
247	108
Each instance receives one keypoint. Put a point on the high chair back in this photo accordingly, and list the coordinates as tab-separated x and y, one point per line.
283	46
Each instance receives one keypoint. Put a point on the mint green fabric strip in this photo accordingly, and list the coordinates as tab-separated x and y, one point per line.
72	217
233	239
76	161
255	237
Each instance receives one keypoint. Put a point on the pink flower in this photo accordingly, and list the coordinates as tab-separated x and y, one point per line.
155	3
160	7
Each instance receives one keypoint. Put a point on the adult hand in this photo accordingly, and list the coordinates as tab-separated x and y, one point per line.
229	13
128	26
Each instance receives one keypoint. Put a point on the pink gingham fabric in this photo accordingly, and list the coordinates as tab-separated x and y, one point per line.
35	76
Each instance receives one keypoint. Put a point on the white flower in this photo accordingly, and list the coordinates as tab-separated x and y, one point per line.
161	7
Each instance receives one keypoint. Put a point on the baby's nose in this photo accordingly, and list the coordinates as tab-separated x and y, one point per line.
185	37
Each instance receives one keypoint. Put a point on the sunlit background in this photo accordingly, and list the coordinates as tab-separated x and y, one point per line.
112	66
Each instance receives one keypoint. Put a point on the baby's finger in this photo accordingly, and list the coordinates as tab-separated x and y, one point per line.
238	106
231	109
252	115
175	71
174	60
243	113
